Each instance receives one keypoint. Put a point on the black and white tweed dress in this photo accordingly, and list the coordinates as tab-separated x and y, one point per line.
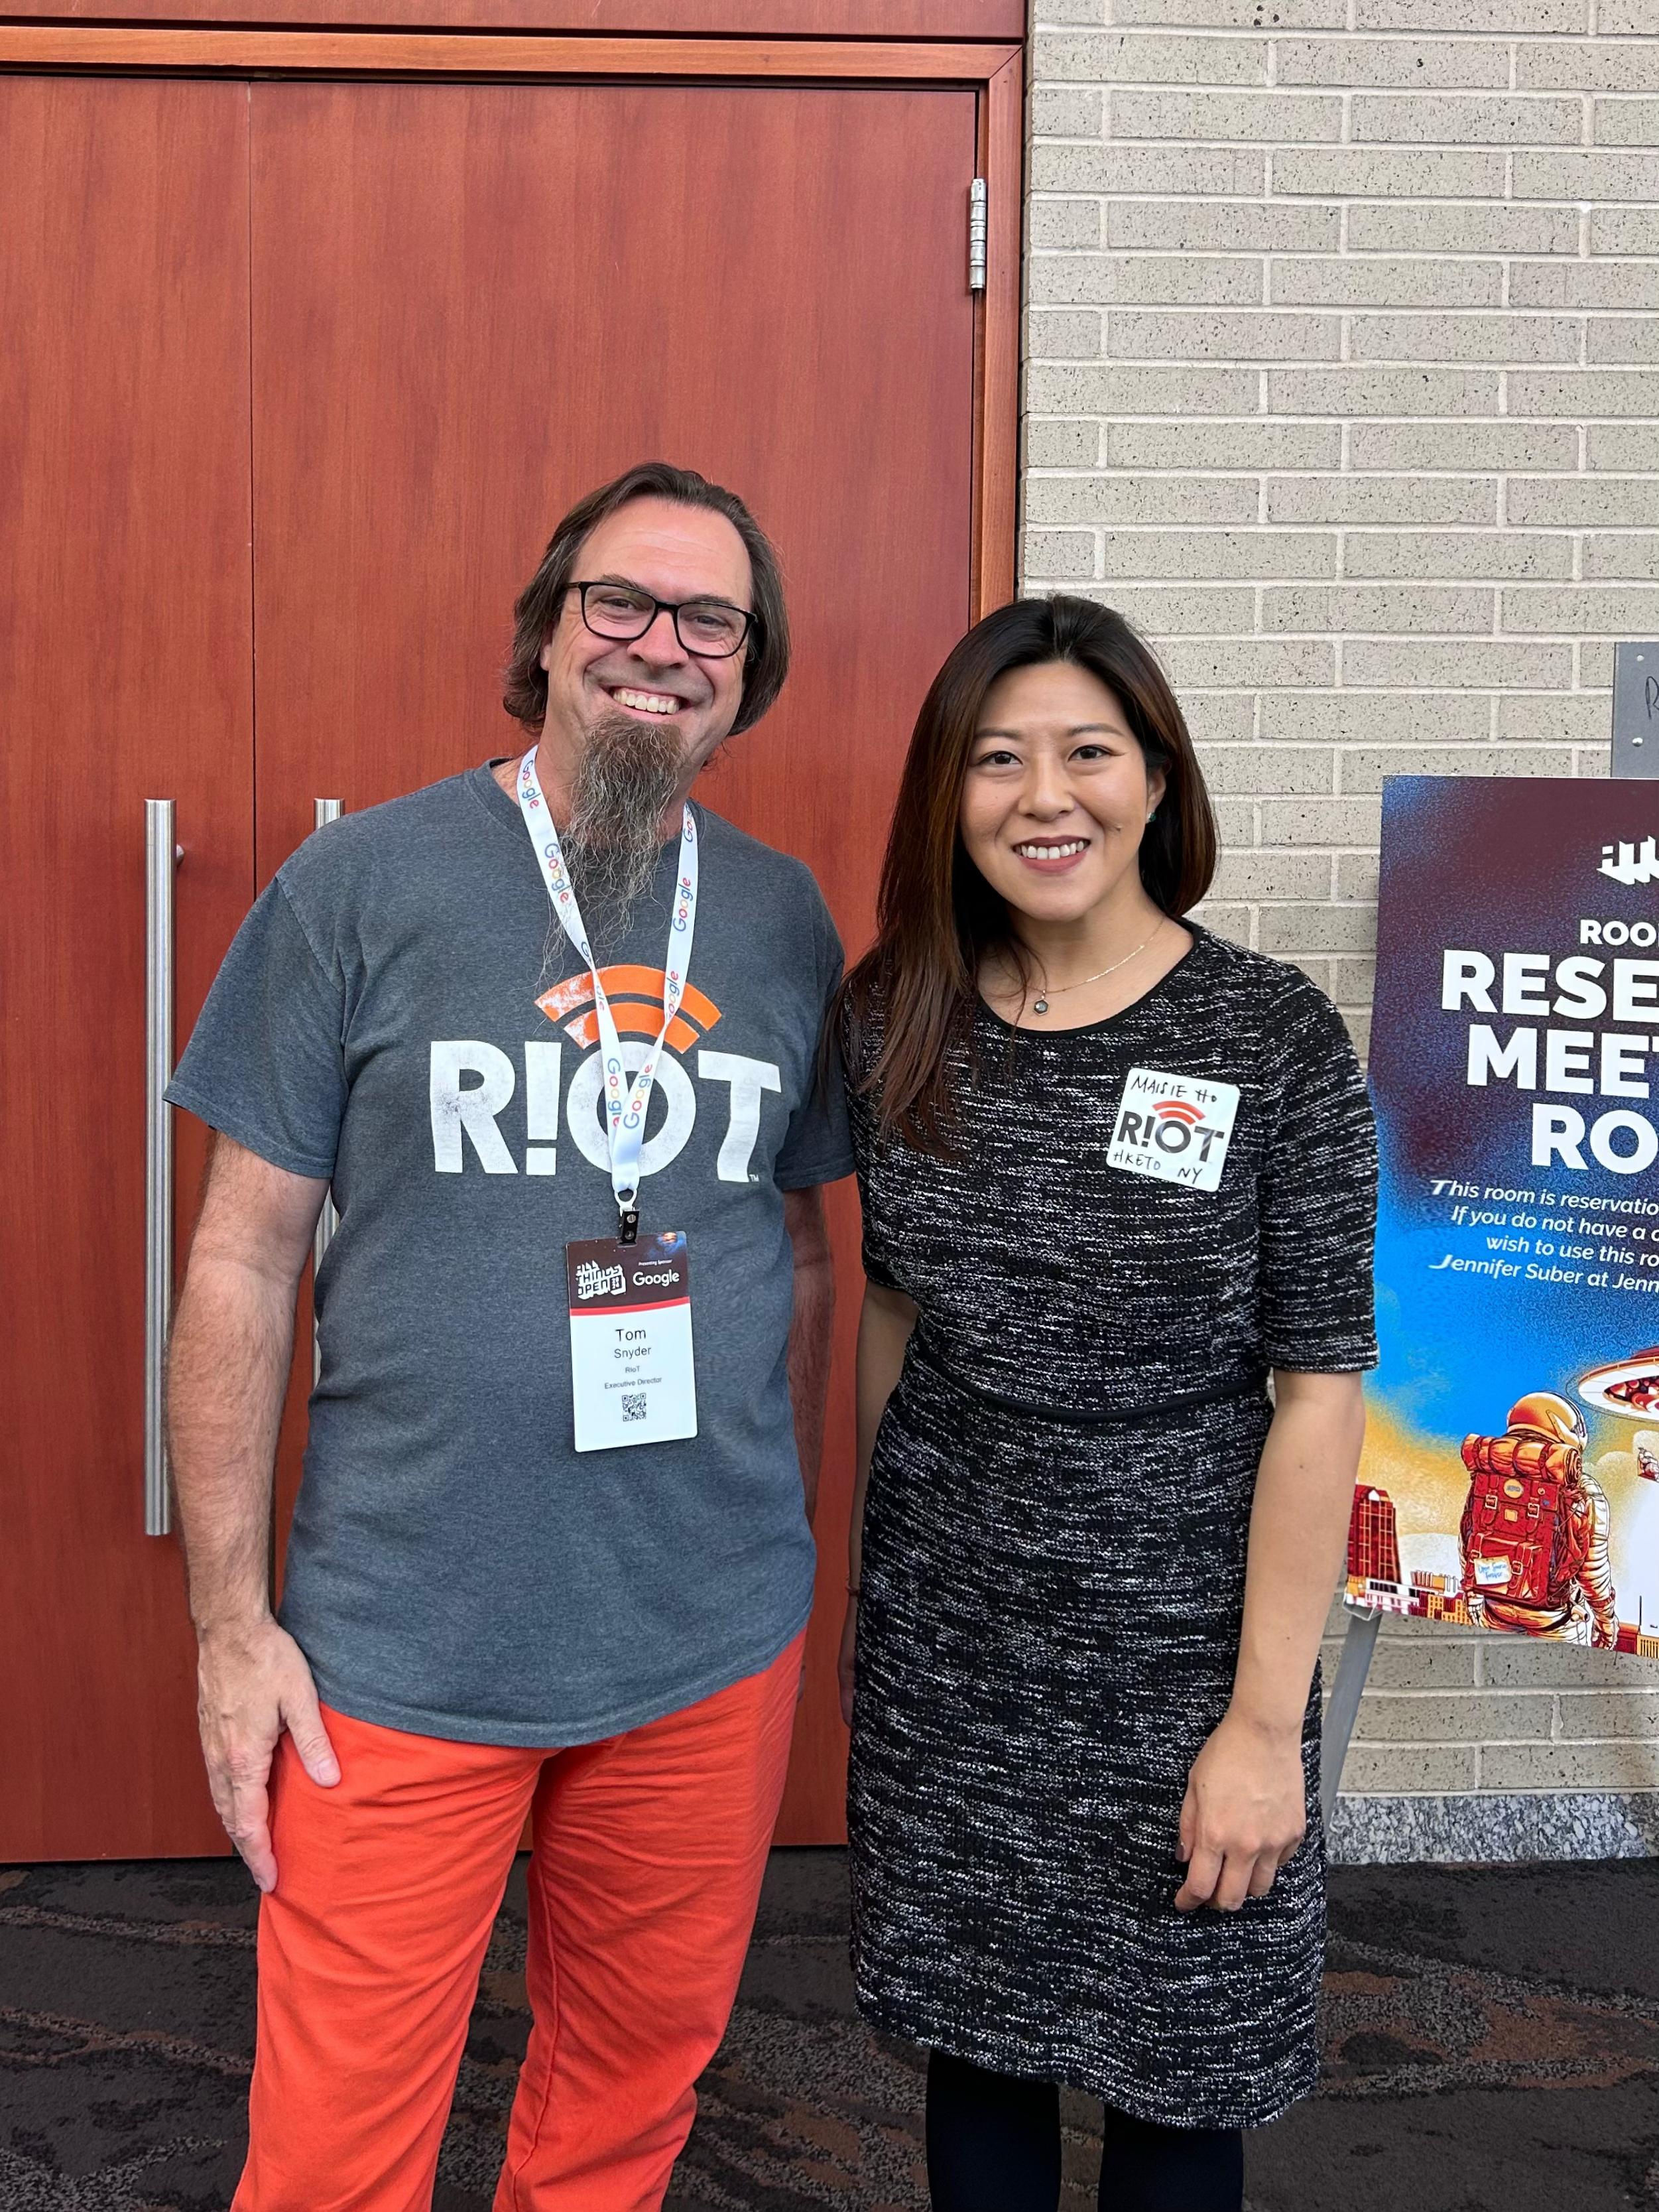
1055	1539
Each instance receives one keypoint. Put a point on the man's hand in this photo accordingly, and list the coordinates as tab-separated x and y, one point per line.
1244	1815
251	1686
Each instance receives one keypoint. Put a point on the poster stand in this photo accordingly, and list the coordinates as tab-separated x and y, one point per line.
1635	753
1343	1708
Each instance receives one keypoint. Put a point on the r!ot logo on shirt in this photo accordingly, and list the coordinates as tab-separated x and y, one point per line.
1174	1127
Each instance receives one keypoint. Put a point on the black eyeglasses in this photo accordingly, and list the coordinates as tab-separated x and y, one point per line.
713	629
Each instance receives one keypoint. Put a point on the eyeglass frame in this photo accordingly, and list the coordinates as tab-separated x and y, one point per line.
670	607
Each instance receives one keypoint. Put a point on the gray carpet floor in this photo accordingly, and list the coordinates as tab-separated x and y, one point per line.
1490	2045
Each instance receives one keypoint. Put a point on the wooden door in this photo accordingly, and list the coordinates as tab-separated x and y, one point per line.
474	302
125	664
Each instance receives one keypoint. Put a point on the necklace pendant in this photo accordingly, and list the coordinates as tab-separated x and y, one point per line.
1040	1006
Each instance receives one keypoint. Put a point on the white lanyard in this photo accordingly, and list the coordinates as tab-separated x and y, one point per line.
625	1109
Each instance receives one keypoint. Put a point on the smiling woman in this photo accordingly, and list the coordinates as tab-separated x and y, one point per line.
1057	793
1115	1171
1052	817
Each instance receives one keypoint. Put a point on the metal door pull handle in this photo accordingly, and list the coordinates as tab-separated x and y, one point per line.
324	810
161	855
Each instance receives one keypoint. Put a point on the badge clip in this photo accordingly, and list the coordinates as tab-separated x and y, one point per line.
627	1225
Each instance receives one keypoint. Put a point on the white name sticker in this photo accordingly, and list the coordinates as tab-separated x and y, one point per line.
1489	1573
632	1378
1176	1127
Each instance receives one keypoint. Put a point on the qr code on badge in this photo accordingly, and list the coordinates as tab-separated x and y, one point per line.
634	1405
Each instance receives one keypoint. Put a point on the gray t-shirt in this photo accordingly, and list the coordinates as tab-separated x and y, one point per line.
390	1016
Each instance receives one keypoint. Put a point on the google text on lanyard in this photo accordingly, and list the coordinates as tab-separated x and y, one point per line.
633	1379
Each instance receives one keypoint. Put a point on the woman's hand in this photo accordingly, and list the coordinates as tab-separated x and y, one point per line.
1244	1814
843	1665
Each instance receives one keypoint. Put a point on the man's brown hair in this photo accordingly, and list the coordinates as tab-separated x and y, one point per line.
539	605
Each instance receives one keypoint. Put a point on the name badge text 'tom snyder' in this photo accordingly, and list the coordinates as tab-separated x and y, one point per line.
632	1376
1174	1128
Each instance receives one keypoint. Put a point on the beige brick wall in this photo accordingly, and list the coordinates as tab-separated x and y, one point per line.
1446	1711
1342	340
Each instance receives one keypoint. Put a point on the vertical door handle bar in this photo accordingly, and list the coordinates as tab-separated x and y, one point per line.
324	810
160	855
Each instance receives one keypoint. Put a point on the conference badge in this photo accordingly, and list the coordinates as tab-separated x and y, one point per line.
632	1376
1174	1128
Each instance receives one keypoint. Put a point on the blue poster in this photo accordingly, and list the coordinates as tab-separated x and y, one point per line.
1511	1476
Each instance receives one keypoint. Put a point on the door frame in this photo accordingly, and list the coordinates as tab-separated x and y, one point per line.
995	72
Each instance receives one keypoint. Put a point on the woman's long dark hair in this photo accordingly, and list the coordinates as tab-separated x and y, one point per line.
936	916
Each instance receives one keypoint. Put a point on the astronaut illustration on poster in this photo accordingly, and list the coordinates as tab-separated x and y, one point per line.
1510	1479
1533	1534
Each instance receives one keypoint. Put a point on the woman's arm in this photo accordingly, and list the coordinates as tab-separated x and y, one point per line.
809	1329
1244	1811
884	1322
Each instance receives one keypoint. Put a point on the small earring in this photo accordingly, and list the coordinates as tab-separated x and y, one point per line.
1152	816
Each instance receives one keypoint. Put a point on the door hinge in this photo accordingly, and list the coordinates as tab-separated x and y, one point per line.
976	235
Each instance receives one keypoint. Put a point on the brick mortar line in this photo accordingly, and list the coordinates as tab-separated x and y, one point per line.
1603	584
1166	420
1286	35
1067	472
1321	311
1490	365
1613	151
1211	141
1365	637
1502	1692
1581	316
1291	580
1265	195
1431	258
1377	529
1341	200
1302	88
1075	474
1472	696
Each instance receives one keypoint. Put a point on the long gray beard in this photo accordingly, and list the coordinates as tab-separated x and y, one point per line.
626	778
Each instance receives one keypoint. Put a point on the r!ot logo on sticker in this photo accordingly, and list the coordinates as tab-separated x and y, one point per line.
1174	1127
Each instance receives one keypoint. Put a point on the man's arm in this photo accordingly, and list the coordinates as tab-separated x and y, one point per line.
228	1371
809	1329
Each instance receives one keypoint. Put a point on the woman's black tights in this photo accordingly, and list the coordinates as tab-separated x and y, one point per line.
994	2145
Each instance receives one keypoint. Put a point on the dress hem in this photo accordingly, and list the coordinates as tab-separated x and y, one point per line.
1024	2064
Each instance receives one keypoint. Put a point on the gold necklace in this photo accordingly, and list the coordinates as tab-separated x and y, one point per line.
1040	1006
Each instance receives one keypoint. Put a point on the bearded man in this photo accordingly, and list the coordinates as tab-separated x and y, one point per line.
550	1034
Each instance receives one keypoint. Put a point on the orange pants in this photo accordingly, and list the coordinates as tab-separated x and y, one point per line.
648	1851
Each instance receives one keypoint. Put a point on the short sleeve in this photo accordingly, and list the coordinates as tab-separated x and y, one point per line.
872	1257
817	1147
264	1063
1317	1195
857	1048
